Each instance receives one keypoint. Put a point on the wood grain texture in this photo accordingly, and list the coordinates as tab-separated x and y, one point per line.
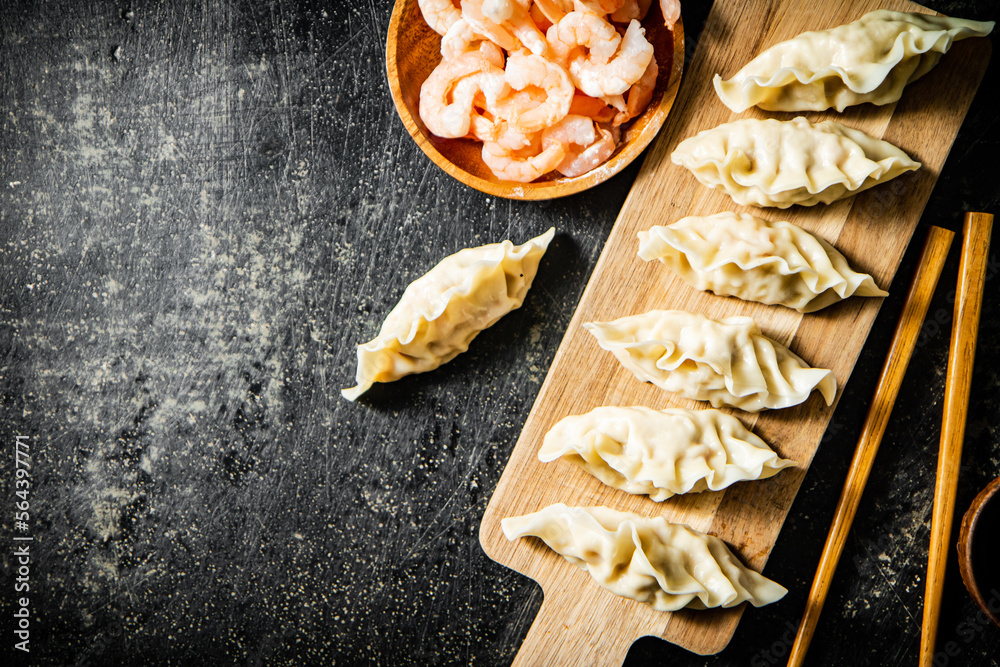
904	341
412	53
972	533
872	230
976	233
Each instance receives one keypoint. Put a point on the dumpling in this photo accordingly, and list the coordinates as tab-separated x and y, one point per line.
869	60
740	255
661	453
781	163
726	362
668	566
442	311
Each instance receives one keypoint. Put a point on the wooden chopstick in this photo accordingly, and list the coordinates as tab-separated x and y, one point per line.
903	342
968	303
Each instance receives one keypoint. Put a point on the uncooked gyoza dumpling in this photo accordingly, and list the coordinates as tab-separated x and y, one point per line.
744	256
781	163
869	60
726	362
661	453
668	566
442	311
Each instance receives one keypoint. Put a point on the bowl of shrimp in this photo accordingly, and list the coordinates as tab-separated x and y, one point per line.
534	99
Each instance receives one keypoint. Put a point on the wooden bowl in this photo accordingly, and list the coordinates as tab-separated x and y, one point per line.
413	51
979	550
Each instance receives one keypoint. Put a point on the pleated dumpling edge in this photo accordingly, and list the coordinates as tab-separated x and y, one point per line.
726	362
832	68
771	262
773	163
668	566
441	312
662	453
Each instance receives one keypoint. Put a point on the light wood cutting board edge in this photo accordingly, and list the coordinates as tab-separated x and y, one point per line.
576	611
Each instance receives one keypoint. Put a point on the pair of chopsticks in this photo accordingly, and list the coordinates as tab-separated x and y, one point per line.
968	304
972	273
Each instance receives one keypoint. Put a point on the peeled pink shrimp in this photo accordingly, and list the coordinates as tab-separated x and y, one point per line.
571	130
479	93
618	74
554	10
598	7
522	165
637	9
449	114
461	38
586	157
485	54
439	14
446	99
498	11
632	9
524	28
541	20
492	54
473	14
510	33
582	35
591	107
543	80
615	101
639	95
671	12
510	106
512	139
482	128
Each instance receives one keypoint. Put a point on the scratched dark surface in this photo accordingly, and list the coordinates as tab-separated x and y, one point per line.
204	208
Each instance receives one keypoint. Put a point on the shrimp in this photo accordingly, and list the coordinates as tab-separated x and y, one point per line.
439	14
498	11
554	10
591	107
538	16
571	130
447	107
556	101
545	82
631	9
524	28
593	148
671	12
509	33
482	128
513	139
598	7
461	38
478	93
618	74
639	95
586	145
582	35
522	165
448	95
615	101
591	157
472	13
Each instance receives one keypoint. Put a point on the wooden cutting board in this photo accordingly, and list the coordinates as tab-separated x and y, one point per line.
579	622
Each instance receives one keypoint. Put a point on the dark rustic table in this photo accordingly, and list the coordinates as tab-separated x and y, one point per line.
204	207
